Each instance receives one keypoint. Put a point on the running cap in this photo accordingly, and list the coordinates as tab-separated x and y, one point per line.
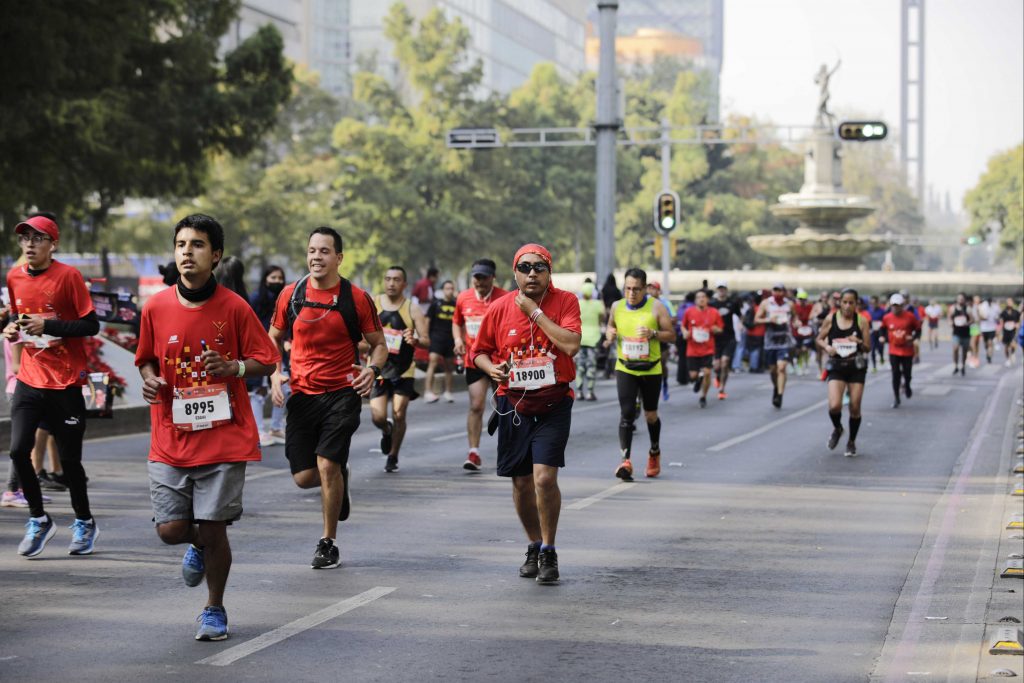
532	249
779	285
588	289
482	269
896	300
801	294
654	284
721	284
41	224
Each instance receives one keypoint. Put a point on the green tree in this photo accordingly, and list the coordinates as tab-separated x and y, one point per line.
996	203
104	100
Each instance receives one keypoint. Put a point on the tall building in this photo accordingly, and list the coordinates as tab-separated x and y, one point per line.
688	29
509	37
315	35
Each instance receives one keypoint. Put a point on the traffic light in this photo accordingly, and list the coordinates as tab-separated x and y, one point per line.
863	131
971	240
666	212
673	247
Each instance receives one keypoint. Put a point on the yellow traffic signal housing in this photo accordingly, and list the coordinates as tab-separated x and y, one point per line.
863	131
666	212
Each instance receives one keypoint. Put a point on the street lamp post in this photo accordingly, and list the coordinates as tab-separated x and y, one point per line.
606	128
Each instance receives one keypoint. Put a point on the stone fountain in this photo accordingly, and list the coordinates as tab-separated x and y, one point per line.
822	206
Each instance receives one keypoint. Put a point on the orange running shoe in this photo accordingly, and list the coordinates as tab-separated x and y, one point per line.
625	470
653	464
722	395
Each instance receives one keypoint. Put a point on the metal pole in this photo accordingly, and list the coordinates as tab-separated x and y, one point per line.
920	105
666	162
904	87
606	127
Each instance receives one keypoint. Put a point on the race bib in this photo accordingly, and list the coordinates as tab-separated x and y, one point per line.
898	334
1009	325
41	341
780	319
393	339
532	373
804	331
700	334
844	347
473	326
960	321
635	348
876	325
724	312
197	408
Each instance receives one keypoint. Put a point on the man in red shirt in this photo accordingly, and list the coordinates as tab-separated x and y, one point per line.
197	340
326	315
423	291
526	344
470	308
901	328
51	312
700	325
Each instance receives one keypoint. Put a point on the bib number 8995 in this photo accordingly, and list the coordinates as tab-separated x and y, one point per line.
199	408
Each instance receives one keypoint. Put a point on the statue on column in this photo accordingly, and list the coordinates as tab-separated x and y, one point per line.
825	117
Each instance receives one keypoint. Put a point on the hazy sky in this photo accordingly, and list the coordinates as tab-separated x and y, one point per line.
974	72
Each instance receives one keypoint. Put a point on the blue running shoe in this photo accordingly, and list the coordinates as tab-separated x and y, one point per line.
83	537
213	624
193	566
36	535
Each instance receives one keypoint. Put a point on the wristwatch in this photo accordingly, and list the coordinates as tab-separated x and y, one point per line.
376	371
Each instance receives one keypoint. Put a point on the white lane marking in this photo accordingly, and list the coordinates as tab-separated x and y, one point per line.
729	443
260	474
585	502
944	371
233	654
449	437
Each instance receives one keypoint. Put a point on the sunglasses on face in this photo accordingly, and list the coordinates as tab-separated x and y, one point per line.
537	267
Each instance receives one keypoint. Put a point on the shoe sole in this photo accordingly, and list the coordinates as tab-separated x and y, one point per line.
848	454
208	639
46	539
333	565
471	466
86	551
547	582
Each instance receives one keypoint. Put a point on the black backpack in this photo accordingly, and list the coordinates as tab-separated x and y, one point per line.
345	305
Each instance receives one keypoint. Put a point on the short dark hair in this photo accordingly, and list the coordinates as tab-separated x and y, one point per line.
200	222
850	290
405	275
486	262
324	230
447	282
431	271
638	274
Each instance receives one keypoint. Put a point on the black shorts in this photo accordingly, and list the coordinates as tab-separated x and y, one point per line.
628	386
473	375
1008	336
696	363
320	424
402	386
725	345
444	346
989	336
535	440
849	373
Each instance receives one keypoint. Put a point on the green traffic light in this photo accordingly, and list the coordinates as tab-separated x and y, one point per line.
668	222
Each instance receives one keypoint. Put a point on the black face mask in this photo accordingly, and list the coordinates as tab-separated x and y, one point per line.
197	295
275	287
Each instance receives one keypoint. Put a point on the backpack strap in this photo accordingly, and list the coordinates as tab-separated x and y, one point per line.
345	306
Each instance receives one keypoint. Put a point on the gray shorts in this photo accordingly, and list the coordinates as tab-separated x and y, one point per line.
208	492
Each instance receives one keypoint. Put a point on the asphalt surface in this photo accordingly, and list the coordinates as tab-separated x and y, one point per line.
758	555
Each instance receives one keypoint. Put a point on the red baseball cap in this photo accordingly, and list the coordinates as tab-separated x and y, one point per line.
40	224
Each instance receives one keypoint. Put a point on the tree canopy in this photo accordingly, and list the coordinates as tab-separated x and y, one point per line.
996	203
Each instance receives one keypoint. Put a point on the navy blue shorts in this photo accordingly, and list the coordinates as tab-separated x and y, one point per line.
538	439
773	356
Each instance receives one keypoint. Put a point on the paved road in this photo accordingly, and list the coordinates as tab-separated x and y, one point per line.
757	556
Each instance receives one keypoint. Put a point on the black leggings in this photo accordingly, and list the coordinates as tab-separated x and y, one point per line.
64	410
628	386
902	369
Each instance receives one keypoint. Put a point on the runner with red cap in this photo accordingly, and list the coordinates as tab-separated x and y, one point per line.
901	329
526	344
51	312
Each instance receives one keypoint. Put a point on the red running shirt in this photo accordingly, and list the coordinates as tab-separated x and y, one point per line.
469	314
701	320
322	355
59	293
171	336
900	329
505	333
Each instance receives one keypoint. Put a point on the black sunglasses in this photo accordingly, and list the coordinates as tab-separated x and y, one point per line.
537	267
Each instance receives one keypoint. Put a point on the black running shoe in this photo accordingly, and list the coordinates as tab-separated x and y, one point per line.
955	370
48	482
851	450
896	403
392	464
530	567
346	496
326	555
385	438
908	392
963	370
777	400
698	383
703	402
833	440
547	572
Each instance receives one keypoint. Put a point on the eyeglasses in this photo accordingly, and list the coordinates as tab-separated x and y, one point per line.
34	239
537	267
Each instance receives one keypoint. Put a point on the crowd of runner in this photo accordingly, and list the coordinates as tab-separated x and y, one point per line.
209	355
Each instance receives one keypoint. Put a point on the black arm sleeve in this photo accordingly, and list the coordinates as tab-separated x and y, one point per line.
84	327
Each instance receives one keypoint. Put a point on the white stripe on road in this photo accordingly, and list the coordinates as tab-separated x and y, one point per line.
585	502
233	654
729	443
449	437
